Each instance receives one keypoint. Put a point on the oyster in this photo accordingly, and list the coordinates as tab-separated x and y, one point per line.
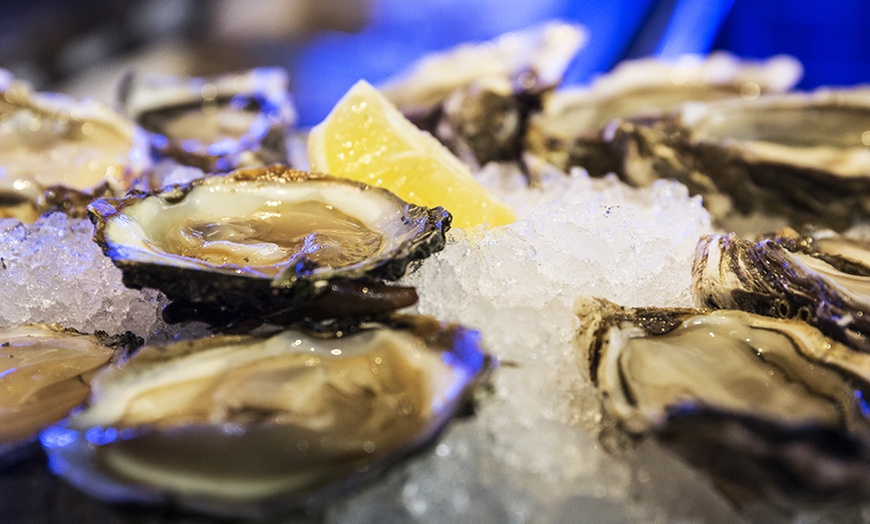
216	124
44	372
803	157
577	126
57	152
771	408
273	242
827	284
249	426
476	98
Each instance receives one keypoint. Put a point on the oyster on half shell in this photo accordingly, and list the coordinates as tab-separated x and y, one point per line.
577	125
822	279
269	243
801	157
56	153
477	97
251	426
214	123
771	408
45	371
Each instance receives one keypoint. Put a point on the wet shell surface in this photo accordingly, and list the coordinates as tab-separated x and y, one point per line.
771	408
577	125
251	426
58	152
214	123
823	280
800	157
269	241
45	371
477	97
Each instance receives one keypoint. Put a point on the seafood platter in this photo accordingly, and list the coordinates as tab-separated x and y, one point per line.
469	294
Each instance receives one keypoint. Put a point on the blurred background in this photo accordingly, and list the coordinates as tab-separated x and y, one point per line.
83	47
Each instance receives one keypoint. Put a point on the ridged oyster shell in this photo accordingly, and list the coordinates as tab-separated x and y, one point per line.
251	426
771	408
577	125
824	281
477	97
799	157
269	242
57	152
214	123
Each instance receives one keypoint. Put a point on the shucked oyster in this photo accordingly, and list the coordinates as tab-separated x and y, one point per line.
270	243
250	426
803	157
476	98
576	126
825	281
216	124
44	372
772	408
57	152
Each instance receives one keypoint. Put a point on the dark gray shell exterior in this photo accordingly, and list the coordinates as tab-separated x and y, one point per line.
581	126
478	97
765	277
797	158
231	294
754	451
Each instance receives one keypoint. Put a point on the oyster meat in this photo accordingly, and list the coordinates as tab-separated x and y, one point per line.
802	157
57	152
217	123
270	241
577	125
45	371
477	97
250	426
771	408
824	280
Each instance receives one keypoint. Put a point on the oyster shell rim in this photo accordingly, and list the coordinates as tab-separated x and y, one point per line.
15	451
737	181
67	198
62	443
234	291
268	87
788	464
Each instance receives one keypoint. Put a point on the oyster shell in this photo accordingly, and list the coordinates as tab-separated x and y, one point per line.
764	277
802	157
771	408
57	152
269	243
217	123
45	371
477	97
250	426
577	125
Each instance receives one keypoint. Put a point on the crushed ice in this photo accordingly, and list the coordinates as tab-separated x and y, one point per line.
52	272
530	454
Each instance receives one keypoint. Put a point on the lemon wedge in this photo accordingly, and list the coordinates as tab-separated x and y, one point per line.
365	138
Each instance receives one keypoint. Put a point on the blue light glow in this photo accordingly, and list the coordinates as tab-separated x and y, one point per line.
101	436
57	437
466	359
692	28
862	403
829	39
